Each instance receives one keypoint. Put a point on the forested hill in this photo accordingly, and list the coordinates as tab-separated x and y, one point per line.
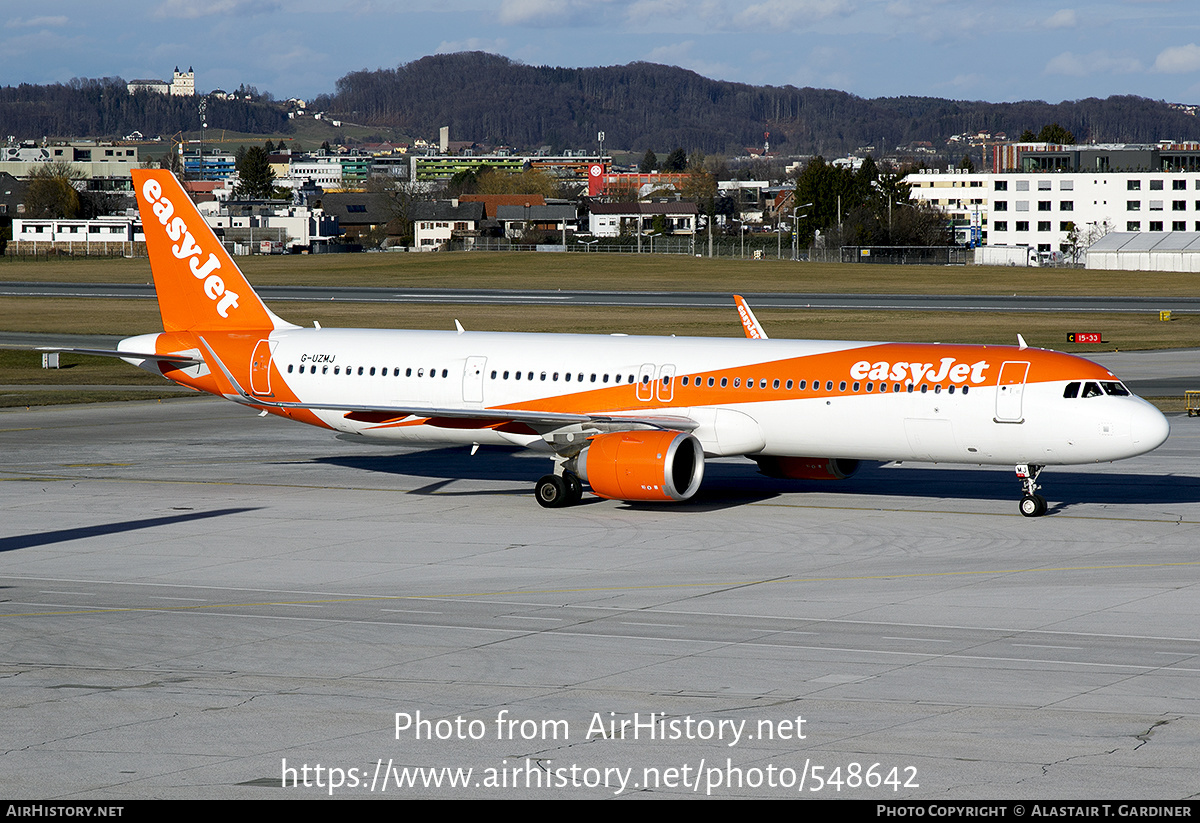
105	108
493	100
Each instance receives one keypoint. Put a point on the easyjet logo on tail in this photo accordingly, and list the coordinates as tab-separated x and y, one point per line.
186	248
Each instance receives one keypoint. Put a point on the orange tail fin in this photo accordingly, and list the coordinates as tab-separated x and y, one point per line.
199	286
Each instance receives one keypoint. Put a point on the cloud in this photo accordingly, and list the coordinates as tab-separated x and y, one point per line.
192	9
790	14
1096	62
496	46
1061	19
1178	59
536	12
40	22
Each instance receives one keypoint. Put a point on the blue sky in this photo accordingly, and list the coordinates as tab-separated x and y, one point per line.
999	50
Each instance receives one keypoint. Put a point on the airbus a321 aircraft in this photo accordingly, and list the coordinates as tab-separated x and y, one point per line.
632	417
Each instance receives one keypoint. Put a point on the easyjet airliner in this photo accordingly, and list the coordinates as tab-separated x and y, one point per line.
632	417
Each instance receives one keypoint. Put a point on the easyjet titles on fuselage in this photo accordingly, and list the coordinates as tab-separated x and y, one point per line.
901	370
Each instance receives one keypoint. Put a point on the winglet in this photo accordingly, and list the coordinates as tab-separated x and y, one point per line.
750	324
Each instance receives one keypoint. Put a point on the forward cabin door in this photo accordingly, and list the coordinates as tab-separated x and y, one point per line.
1010	391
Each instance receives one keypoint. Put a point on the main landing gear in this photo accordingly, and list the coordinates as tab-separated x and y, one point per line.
555	491
1032	504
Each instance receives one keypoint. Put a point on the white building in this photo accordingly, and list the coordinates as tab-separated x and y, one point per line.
325	172
1039	209
99	235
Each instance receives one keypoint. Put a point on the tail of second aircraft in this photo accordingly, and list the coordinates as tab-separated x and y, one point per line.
199	286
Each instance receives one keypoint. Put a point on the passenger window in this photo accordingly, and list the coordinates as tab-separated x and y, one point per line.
870	388
360	371
789	385
493	374
762	384
445	372
408	372
517	376
924	388
775	384
724	382
966	389
711	381
324	370
554	377
337	369
290	367
829	385
1071	391
842	386
737	382
857	385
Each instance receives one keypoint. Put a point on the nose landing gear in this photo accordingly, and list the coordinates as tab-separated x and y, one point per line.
1032	504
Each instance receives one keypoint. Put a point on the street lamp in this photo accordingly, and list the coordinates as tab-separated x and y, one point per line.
796	231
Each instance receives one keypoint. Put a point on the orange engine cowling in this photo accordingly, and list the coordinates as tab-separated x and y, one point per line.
807	468
643	465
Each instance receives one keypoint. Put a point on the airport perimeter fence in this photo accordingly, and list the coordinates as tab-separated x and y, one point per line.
898	255
25	252
725	247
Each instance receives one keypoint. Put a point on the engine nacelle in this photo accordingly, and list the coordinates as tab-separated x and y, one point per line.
643	465
807	468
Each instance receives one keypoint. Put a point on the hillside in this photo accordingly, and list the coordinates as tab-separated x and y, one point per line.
494	100
104	108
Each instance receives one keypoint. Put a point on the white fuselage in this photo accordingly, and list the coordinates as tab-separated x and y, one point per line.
782	415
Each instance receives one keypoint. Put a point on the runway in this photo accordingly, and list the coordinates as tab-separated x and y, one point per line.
648	299
196	600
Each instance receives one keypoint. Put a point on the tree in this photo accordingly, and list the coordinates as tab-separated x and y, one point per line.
966	164
53	191
676	161
649	162
700	187
1055	133
256	179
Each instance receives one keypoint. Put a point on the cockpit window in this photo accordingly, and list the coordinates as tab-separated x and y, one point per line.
1072	390
1115	389
1091	389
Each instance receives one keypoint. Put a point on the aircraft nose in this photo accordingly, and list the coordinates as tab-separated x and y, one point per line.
1149	428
